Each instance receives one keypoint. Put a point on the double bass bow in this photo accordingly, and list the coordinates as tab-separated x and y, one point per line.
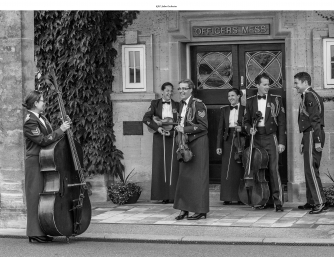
64	206
253	188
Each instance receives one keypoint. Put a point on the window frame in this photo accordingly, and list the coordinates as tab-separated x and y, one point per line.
327	43
133	87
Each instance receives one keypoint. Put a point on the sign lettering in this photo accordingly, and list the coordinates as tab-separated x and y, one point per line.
231	30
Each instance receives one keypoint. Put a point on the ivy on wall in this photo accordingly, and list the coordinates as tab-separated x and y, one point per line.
79	46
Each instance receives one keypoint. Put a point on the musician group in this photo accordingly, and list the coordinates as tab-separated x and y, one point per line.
249	139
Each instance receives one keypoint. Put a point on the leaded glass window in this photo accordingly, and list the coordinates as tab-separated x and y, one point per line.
269	62
214	70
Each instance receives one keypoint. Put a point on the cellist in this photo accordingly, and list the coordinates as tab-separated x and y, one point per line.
165	168
38	133
230	123
272	109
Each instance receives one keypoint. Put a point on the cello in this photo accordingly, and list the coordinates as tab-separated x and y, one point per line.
64	207
253	188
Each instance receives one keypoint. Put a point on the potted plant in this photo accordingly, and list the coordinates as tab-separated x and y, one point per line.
329	191
123	191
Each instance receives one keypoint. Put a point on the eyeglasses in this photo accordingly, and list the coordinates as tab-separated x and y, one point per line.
183	88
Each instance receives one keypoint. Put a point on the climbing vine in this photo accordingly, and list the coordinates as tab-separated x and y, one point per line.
79	46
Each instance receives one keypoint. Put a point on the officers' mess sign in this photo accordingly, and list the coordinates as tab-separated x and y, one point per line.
231	30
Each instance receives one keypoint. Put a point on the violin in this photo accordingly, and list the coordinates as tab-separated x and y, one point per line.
64	207
183	153
239	143
253	188
167	124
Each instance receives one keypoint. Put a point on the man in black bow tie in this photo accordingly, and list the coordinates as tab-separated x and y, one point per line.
273	121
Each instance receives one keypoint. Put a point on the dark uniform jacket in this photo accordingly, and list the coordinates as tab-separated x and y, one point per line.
311	114
37	135
275	116
196	119
224	123
155	109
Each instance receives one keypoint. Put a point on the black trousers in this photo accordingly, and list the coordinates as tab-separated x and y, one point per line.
312	158
270	144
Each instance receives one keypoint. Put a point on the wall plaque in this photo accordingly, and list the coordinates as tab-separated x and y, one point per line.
231	30
132	128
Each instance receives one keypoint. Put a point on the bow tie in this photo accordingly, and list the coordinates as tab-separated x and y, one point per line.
165	102
234	107
261	97
184	102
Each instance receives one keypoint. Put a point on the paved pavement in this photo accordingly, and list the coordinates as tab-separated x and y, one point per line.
219	215
231	224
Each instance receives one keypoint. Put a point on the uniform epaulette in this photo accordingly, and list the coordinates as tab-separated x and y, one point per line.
251	97
275	95
198	100
27	118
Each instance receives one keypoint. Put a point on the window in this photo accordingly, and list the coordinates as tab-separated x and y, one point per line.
134	68
329	62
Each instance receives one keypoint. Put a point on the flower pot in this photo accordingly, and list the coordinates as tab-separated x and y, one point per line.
133	199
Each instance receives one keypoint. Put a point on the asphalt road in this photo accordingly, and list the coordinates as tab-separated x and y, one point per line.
59	248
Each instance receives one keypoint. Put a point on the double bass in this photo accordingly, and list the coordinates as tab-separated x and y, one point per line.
253	188
64	206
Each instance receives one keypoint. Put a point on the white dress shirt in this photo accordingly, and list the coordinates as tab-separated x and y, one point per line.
184	110
233	119
36	114
262	106
167	109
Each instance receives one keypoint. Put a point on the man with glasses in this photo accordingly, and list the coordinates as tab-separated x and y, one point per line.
192	190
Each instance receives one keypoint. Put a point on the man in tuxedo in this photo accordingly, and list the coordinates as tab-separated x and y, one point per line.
273	121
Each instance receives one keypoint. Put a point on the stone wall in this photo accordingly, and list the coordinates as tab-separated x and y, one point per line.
16	78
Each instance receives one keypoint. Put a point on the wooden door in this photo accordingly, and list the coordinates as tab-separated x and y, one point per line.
216	69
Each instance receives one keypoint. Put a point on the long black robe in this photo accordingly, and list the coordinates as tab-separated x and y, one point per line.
163	181
231	171
192	191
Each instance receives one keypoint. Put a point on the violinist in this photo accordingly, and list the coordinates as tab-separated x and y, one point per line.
273	121
228	145
165	167
192	190
38	133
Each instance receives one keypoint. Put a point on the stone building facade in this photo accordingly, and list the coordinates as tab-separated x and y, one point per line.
170	46
183	44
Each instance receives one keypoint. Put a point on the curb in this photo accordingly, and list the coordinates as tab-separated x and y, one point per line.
170	239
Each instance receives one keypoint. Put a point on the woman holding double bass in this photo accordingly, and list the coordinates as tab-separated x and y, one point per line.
230	144
38	133
165	168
